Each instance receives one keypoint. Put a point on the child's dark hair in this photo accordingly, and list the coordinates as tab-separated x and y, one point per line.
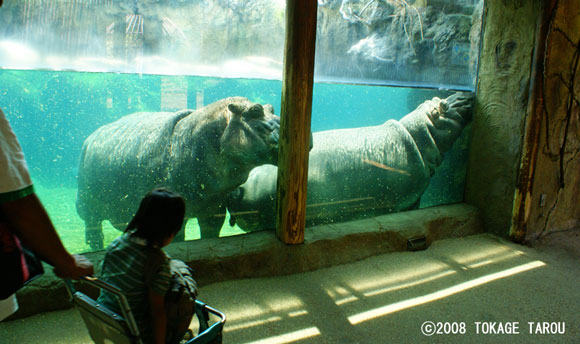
159	216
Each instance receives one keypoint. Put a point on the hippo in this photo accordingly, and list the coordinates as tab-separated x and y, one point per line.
361	172
203	155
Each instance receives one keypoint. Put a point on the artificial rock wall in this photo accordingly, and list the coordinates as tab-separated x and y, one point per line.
555	193
504	110
500	109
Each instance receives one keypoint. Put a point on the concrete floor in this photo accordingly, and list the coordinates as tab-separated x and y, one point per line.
467	284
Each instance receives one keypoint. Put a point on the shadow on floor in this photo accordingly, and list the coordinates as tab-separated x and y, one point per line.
481	287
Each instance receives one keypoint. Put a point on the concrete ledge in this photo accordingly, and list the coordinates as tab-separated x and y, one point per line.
260	254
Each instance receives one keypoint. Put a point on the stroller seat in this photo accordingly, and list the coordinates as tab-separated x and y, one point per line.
106	326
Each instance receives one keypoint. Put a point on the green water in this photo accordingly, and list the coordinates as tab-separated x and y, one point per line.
53	112
60	205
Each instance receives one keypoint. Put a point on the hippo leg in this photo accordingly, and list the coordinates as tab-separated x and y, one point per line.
210	226
94	235
180	236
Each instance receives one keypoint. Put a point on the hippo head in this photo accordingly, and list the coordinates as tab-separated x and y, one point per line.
251	136
448	118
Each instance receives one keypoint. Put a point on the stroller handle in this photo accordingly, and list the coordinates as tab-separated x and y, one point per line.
212	310
121	298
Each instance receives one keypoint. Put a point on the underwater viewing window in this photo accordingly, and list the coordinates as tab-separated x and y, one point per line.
70	67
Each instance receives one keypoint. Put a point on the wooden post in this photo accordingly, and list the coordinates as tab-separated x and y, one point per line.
296	109
525	181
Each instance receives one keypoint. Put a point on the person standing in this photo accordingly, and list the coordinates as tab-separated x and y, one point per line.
22	214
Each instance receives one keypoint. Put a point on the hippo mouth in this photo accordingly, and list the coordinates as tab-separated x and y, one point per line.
272	142
252	143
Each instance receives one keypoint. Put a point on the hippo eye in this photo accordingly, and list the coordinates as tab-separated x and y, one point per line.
255	111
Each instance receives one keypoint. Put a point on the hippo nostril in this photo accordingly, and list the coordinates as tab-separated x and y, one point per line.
274	138
274	122
263	128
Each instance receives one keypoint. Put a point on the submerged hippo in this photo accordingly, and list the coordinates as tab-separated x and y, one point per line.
360	172
203	155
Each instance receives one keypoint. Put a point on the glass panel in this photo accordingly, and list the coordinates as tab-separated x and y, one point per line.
377	149
229	38
53	113
374	150
173	56
399	42
380	150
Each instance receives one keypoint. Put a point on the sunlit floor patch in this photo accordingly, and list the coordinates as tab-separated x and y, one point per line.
415	276
346	300
245	324
494	260
298	313
342	296
398	306
410	284
289	337
280	303
398	276
252	323
466	257
476	260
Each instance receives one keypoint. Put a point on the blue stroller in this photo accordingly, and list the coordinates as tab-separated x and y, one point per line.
106	326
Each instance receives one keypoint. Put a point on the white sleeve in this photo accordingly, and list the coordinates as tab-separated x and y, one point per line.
14	175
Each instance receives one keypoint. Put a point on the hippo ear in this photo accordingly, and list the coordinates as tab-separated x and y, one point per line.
236	109
268	108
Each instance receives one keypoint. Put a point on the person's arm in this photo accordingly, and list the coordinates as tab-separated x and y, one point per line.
158	318
28	219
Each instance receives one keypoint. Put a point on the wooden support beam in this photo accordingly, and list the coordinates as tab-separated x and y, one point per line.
296	109
525	182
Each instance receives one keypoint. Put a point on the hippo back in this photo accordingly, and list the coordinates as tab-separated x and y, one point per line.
362	172
366	171
351	173
122	161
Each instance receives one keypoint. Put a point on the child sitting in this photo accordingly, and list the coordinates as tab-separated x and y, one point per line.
135	263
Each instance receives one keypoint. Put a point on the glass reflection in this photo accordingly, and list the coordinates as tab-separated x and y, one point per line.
399	42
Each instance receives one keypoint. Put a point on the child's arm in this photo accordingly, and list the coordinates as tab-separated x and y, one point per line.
157	302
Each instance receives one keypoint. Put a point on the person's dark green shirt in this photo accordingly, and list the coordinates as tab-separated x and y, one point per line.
124	266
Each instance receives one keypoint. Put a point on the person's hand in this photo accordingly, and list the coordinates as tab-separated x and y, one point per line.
78	266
